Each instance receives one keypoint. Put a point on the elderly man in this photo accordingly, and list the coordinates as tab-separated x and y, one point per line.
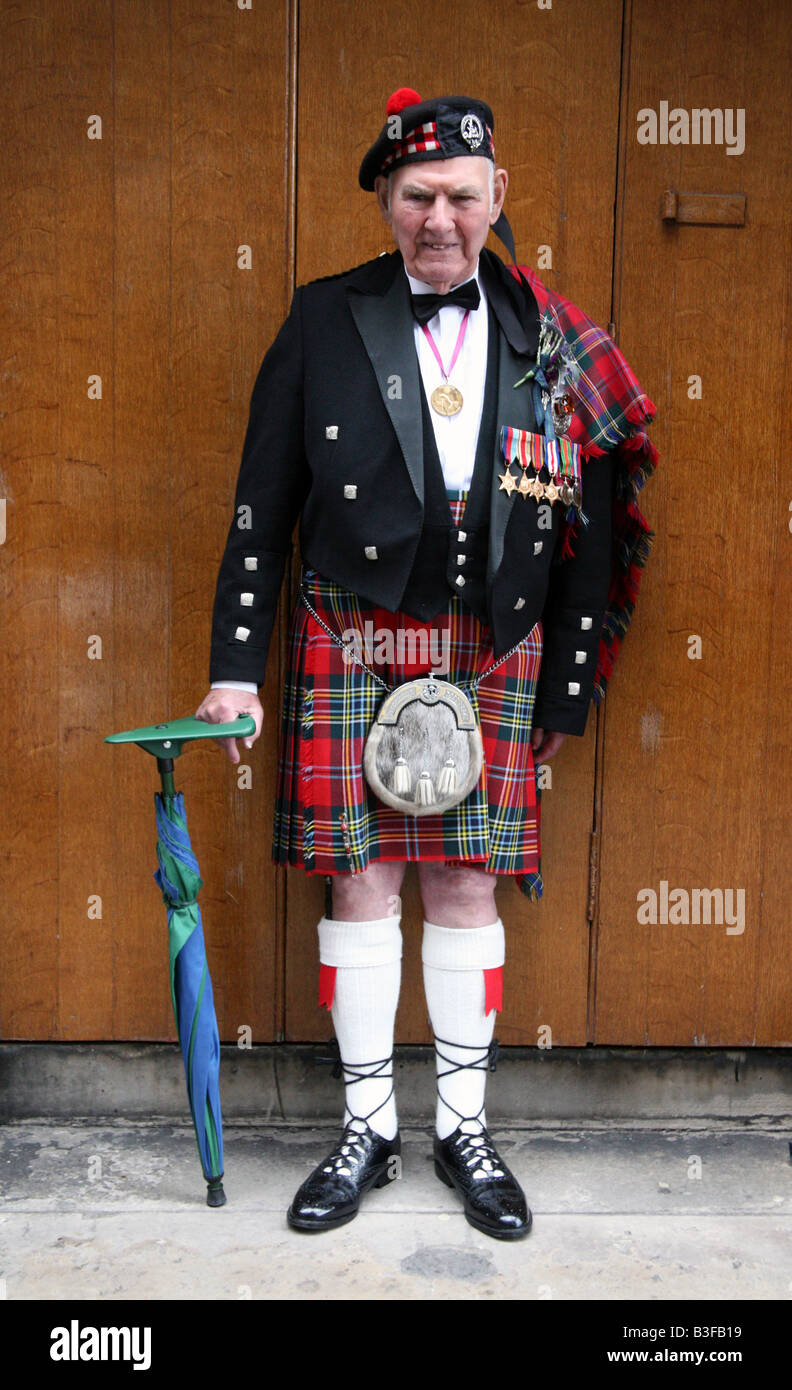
418	413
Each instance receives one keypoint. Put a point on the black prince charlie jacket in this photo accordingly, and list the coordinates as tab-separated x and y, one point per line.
336	438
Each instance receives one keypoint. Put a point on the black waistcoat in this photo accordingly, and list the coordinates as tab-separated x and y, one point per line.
447	552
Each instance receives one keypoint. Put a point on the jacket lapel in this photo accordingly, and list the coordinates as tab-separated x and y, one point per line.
520	338
380	305
378	295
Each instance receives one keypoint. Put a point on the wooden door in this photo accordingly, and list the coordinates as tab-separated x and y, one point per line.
154	251
697	747
557	80
146	146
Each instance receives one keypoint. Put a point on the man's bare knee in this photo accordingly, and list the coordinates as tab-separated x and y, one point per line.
370	895
457	896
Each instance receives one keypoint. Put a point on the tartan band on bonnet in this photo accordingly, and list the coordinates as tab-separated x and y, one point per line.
419	141
422	140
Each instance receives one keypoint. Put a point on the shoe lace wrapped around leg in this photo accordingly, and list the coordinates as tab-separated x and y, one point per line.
477	1151
350	1145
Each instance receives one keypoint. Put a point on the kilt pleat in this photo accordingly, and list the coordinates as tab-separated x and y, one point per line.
327	819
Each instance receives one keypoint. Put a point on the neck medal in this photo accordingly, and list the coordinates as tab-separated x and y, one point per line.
447	399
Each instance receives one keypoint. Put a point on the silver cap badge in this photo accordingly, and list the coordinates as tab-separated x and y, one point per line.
471	130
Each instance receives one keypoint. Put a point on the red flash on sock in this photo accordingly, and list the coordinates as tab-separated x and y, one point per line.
327	979
493	989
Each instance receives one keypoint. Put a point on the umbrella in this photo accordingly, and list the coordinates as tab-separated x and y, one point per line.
191	986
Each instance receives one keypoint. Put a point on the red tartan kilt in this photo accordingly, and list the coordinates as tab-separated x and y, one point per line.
327	818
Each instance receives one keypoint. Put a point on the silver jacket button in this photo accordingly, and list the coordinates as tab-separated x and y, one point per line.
242	634
573	688
585	624
331	431
251	562
580	657
371	552
350	490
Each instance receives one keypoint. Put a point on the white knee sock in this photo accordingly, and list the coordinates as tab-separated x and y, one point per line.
367	957
454	961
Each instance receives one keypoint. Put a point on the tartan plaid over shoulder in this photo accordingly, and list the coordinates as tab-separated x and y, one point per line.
611	412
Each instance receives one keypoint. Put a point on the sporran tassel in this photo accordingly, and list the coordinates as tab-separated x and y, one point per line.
424	791
402	781
448	778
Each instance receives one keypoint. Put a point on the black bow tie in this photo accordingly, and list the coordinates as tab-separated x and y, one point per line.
466	296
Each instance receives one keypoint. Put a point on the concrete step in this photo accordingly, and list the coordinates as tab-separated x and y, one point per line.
286	1082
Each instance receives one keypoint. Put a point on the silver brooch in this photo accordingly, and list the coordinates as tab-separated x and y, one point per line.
471	130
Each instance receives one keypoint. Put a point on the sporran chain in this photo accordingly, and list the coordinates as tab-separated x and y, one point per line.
349	649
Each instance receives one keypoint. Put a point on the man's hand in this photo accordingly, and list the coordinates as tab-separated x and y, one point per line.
221	706
545	742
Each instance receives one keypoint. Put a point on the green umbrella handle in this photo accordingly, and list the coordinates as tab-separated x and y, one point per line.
166	741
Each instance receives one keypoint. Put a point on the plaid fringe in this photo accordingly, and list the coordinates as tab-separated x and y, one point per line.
611	412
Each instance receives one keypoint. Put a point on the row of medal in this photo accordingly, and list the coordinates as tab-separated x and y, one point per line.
543	492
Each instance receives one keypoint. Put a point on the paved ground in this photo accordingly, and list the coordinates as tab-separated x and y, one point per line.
117	1210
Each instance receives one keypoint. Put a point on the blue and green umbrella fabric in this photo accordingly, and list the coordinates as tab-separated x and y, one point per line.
190	982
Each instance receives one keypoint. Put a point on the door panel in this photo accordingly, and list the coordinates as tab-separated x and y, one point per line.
555	100
697	751
124	265
224	129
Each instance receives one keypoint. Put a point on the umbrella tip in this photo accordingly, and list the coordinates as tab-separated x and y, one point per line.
215	1193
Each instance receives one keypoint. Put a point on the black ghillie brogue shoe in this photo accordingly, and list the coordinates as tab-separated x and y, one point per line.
494	1201
469	1162
331	1195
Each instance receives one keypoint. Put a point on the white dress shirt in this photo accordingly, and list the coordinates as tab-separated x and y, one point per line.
456	435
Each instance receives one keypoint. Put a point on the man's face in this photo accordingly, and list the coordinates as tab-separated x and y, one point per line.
440	215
